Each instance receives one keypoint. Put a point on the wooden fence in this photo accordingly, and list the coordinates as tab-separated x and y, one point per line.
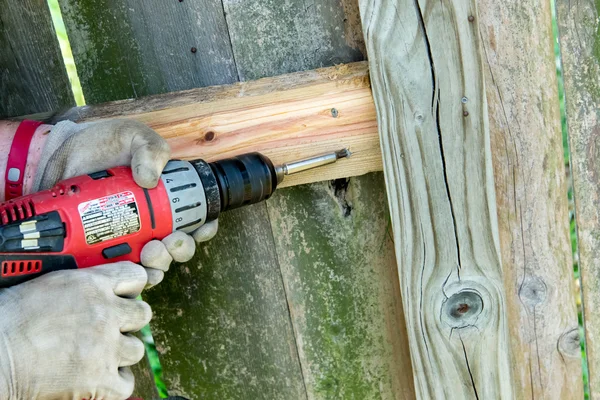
455	282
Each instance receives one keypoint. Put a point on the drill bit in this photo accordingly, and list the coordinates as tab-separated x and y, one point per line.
295	167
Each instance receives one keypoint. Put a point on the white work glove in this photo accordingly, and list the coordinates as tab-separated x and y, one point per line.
66	334
78	149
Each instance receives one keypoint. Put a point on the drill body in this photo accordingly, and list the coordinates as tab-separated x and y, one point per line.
106	217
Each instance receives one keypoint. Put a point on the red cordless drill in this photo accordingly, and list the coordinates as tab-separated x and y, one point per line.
105	217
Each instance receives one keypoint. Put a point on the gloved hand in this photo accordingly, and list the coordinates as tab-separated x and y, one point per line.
66	334
78	149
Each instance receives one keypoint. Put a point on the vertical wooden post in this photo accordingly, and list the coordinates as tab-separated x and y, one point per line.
439	109
579	29
428	85
531	197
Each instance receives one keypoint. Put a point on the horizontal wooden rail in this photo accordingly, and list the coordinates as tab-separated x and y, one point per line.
285	117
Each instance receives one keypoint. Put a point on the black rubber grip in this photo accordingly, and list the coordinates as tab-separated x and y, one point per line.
243	180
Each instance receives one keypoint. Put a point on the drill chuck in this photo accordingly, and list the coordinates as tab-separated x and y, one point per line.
198	191
246	179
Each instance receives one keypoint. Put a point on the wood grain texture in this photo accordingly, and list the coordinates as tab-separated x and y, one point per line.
272	37
141	47
221	322
531	197
579	29
286	117
424	59
334	247
33	78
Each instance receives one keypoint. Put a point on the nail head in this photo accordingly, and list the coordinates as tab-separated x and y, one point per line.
194	49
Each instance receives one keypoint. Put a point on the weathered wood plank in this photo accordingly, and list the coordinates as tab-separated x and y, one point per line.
33	78
140	47
347	321
337	259
145	387
579	29
285	117
531	197
424	59
273	37
221	322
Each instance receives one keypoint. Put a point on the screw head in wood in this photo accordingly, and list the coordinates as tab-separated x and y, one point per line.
464	100
471	18
465	113
334	112
194	49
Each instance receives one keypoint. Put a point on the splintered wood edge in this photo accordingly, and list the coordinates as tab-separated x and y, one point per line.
286	117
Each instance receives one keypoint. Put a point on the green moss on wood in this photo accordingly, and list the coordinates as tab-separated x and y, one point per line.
338	264
273	37
106	55
32	73
221	321
136	48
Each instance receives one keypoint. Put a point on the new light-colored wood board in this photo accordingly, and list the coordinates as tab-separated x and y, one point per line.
125	49
286	117
531	197
33	78
429	90
579	31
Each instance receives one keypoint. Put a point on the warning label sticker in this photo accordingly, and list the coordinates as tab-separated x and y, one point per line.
109	217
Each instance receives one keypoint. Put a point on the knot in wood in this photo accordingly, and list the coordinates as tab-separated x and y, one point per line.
209	136
569	344
462	309
533	291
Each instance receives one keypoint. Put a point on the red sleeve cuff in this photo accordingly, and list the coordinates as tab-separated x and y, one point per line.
17	159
